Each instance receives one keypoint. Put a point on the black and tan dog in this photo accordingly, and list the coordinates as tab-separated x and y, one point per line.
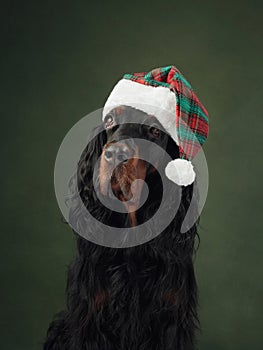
136	298
143	296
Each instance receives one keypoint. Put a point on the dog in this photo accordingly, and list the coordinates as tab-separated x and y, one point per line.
141	297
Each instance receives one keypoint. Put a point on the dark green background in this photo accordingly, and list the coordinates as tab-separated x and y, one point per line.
59	61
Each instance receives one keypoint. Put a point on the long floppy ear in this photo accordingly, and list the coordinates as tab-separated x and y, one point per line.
81	184
190	199
89	157
187	217
80	300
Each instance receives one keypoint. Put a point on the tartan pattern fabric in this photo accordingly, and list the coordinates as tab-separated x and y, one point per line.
191	120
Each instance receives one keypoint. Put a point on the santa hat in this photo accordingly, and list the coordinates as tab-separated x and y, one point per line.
166	94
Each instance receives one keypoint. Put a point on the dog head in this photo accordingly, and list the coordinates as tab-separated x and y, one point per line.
125	159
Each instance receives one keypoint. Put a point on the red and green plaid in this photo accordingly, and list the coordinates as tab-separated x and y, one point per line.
191	116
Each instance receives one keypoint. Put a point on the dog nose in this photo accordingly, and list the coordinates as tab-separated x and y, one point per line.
117	153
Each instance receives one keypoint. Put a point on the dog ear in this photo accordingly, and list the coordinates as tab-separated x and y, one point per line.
92	151
82	194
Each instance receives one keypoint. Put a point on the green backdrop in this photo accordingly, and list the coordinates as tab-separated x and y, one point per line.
59	61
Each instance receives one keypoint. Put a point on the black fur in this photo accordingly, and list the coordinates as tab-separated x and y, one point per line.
138	298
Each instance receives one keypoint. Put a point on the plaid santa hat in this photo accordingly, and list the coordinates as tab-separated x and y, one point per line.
166	94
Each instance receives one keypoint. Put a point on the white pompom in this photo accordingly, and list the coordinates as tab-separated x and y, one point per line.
180	171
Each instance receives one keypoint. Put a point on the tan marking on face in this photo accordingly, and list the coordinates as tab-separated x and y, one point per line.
137	167
134	169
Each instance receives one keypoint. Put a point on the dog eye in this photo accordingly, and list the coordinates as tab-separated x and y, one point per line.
108	121
154	132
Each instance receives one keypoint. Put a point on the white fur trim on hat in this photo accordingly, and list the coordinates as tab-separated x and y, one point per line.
157	101
180	171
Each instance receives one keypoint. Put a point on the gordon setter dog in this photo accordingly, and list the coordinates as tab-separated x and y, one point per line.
143	296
